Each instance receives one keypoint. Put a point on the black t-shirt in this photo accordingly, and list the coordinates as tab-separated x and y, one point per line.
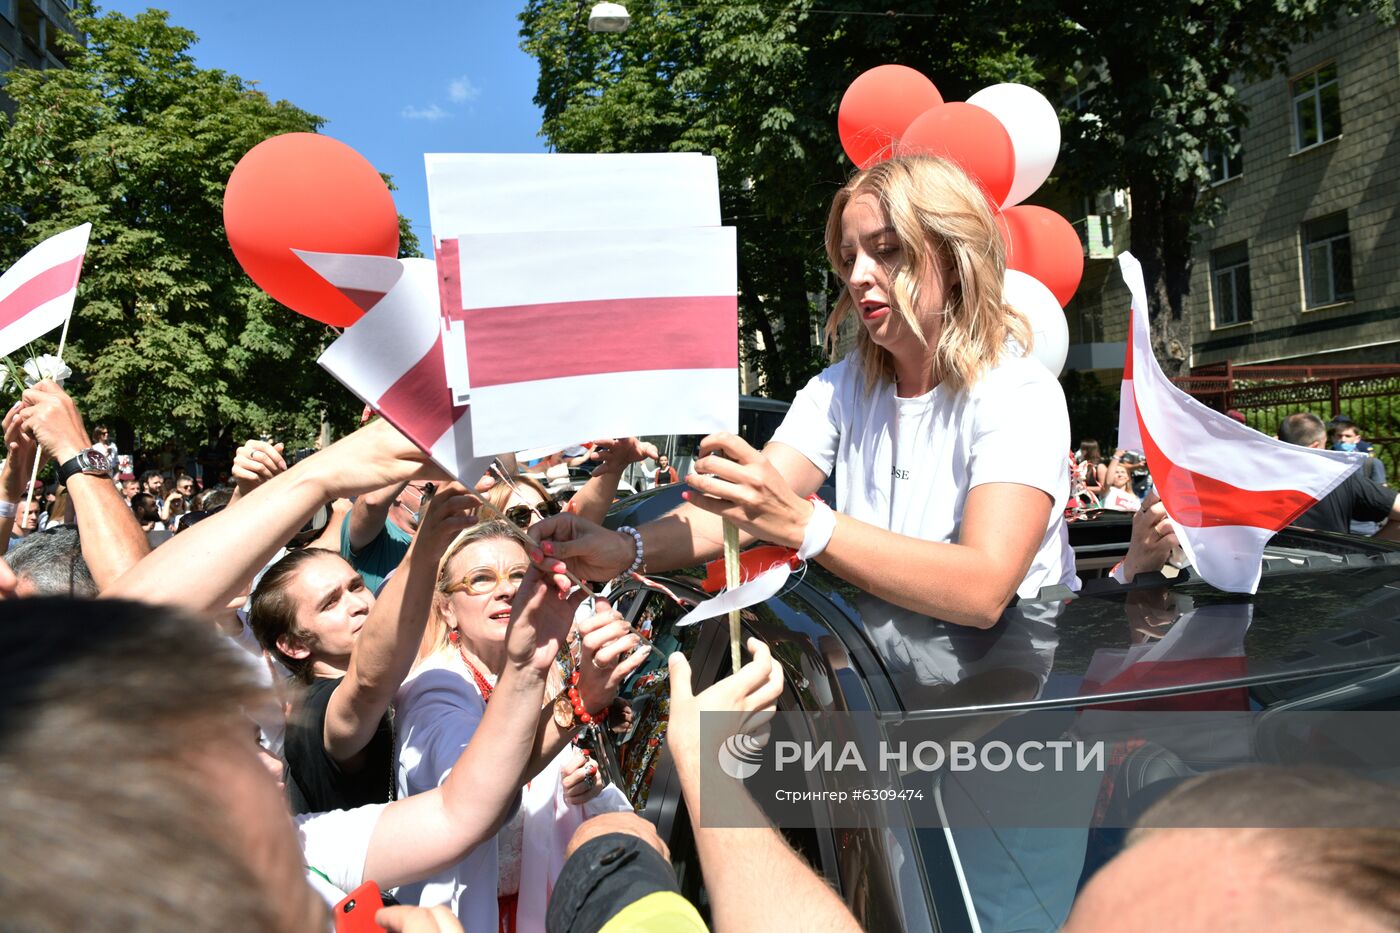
315	781
1357	498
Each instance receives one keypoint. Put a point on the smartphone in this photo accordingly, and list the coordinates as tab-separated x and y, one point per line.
356	913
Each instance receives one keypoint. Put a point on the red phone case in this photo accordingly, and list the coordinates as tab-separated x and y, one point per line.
356	913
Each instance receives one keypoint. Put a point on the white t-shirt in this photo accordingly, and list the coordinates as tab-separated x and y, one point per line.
334	845
906	464
436	712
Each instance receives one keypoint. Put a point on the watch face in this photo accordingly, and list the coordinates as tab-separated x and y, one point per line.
93	461
563	713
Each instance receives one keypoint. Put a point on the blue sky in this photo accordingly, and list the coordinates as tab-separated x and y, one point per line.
392	80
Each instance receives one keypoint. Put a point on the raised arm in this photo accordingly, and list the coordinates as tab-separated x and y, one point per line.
754	879
111	538
207	565
369	513
419	836
614	454
20	450
388	642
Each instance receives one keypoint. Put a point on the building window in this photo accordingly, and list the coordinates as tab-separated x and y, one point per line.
1317	108
1227	161
1327	260
7	10
1229	280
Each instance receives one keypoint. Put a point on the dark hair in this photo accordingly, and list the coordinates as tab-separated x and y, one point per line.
1092	453
274	613
147	476
143	506
96	738
1302	428
215	497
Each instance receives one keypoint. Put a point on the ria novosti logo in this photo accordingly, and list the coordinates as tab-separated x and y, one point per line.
740	756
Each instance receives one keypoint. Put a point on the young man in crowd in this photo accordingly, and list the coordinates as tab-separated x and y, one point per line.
1357	499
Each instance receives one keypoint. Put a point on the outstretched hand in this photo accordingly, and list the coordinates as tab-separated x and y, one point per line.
541	616
613	454
255	463
752	692
1153	538
738	483
606	639
590	551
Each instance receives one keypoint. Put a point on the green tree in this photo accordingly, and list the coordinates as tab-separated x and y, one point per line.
169	337
757	85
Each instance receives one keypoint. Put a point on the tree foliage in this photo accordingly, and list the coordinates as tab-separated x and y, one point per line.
757	84
169	337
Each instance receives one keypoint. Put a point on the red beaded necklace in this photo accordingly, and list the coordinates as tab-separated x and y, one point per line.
482	683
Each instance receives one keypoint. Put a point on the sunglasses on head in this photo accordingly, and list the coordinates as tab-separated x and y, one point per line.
520	515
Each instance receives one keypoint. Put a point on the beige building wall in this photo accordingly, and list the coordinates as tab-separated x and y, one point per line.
1279	190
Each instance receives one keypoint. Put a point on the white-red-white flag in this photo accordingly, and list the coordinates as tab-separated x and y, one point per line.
1226	487
392	357
572	334
37	293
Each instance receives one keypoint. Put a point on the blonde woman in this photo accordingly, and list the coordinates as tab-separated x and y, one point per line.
505	882
946	440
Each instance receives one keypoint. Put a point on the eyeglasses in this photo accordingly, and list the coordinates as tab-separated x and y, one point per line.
520	515
484	580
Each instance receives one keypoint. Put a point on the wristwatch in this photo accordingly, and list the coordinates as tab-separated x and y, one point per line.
564	712
91	461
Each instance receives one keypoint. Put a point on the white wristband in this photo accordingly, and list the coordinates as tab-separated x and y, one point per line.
817	535
7	509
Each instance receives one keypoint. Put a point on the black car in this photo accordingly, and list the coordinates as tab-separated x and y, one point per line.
1322	633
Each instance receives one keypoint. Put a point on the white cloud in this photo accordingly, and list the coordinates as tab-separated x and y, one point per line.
461	90
431	112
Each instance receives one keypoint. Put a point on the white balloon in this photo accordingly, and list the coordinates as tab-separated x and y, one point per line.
1034	128
1049	329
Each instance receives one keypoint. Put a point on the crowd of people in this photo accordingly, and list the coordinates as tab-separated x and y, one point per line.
350	676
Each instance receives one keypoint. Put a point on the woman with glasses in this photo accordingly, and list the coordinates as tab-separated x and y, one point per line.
441	704
313	613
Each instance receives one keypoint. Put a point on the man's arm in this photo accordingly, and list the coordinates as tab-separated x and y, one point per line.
208	565
111	539
369	513
754	879
388	642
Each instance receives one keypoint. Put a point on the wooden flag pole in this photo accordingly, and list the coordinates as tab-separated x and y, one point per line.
732	578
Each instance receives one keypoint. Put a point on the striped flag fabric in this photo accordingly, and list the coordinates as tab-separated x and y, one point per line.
1226	487
392	357
37	293
572	334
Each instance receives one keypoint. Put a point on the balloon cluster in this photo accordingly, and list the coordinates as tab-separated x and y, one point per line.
1006	138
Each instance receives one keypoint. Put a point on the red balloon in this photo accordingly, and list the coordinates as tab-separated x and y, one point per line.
309	192
971	137
1042	244
876	109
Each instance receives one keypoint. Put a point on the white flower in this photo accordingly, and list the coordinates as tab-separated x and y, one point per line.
47	366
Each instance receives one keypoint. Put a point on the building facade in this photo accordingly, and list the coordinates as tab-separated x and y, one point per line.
1302	266
27	30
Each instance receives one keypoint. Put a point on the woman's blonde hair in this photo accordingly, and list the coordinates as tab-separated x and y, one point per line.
943	221
435	638
499	494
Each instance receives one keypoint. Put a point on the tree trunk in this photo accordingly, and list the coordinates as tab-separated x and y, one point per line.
771	363
1161	240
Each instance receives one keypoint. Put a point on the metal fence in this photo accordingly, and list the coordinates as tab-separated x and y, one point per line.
1265	395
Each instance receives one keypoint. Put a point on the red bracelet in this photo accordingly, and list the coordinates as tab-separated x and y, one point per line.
581	714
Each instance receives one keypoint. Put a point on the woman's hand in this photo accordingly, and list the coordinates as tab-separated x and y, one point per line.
540	619
745	488
606	638
589	550
580	779
613	454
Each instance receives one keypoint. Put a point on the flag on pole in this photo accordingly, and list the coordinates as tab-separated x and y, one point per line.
392	357
37	293
1226	487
